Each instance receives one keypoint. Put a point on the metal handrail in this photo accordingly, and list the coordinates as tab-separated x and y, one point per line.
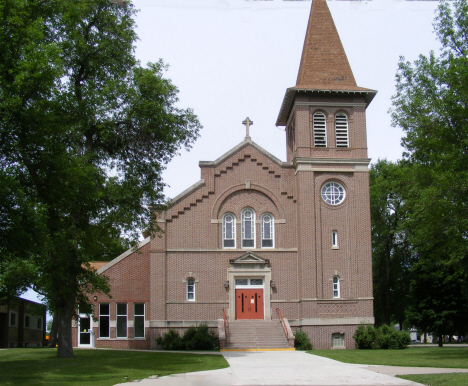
225	323
282	322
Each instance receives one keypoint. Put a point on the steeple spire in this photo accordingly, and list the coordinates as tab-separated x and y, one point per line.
324	64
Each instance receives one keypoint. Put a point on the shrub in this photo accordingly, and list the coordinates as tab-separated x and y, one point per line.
170	341
200	338
384	337
302	341
364	336
194	338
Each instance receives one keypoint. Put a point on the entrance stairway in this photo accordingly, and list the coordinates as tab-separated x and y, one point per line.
256	334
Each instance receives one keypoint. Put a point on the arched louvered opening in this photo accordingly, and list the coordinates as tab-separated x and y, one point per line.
341	130
320	130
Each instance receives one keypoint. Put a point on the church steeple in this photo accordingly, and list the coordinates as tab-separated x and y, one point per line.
324	66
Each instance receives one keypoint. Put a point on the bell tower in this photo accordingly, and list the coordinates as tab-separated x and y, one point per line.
325	124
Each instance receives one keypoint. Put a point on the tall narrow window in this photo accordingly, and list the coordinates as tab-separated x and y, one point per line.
139	320
336	286
341	130
229	231
121	320
104	317
248	228
12	319
335	239
268	231
39	323
191	289
320	130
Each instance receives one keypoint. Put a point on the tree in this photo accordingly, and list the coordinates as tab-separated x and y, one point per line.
391	251
85	132
431	105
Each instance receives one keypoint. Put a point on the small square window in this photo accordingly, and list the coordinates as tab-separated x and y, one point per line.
337	340
256	281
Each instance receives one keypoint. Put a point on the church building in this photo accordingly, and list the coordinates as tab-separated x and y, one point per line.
257	237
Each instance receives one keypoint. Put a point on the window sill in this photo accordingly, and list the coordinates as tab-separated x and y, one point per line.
335	247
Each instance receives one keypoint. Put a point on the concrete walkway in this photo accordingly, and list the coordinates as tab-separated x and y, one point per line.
282	368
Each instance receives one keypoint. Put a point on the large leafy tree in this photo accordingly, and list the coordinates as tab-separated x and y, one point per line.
391	250
431	105
85	132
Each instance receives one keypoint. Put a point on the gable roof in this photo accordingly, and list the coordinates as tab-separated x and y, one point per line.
123	255
324	65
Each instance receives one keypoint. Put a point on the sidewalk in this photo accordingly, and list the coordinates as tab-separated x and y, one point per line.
283	368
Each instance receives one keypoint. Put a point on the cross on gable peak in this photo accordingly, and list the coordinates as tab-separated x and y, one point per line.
247	122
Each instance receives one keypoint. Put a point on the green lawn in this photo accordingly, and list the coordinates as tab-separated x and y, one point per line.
450	357
446	357
96	367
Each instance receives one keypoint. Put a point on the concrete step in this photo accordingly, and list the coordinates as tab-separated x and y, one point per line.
255	334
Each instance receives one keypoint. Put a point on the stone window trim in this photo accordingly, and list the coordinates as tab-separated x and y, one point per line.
335	239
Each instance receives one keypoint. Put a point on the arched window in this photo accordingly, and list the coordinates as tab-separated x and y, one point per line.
320	130
191	289
248	228
268	230
229	231
336	286
341	130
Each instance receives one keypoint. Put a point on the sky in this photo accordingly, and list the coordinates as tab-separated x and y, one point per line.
232	59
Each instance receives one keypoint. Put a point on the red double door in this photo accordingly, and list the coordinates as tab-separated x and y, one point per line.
249	303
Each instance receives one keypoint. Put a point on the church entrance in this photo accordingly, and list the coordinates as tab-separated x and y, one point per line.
249	303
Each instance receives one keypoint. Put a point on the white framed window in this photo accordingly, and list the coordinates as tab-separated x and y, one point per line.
268	230
335	239
13	319
333	193
336	286
229	231
121	320
248	228
191	289
320	130
341	130
337	340
139	320
104	320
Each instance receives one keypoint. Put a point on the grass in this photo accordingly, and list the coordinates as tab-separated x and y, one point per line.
445	357
97	367
454	379
450	357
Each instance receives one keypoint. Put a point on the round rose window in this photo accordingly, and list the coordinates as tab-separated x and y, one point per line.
333	193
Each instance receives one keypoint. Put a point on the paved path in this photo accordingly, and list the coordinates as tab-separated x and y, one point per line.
281	368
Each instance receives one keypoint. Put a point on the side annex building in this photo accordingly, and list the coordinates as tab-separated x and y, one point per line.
256	234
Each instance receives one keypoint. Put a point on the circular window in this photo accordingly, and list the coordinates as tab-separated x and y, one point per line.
333	193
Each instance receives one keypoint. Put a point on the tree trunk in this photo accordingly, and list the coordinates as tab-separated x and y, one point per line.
65	345
441	342
53	331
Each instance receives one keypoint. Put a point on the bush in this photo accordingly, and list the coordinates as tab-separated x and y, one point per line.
194	338
170	341
384	337
200	338
302	341
364	336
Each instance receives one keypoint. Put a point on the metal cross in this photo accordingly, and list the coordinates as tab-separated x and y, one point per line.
247	122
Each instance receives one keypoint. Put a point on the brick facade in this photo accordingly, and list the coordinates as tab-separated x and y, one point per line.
298	273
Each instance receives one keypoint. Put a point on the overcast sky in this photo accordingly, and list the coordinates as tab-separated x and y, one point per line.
235	58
